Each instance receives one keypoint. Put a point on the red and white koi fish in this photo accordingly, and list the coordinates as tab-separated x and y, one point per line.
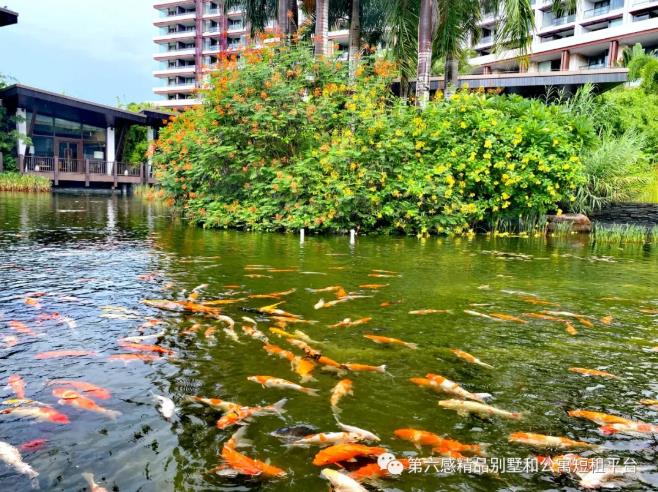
441	445
598	417
278	383
93	486
126	358
630	428
40	413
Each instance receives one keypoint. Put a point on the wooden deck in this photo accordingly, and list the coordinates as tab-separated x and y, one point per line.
86	171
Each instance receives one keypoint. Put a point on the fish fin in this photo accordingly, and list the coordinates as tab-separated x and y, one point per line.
312	391
483	396
382	368
278	406
224	471
240	440
484	364
413	346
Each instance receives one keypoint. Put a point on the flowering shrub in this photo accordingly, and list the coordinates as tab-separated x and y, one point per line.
285	141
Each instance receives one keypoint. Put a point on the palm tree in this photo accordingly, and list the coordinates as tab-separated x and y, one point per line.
354	51
455	24
321	40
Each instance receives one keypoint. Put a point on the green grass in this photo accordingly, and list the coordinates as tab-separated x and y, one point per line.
23	182
650	195
625	233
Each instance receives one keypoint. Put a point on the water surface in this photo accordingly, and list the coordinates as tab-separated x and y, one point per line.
87	252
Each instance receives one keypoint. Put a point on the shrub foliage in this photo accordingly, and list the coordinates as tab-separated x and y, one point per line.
285	141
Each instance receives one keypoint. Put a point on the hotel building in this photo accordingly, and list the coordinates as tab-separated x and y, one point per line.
591	37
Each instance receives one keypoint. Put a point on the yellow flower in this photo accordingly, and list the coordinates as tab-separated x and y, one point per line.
487	144
463	124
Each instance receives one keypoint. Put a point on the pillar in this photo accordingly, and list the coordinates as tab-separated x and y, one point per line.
150	137
613	53
110	150
486	70
21	129
565	59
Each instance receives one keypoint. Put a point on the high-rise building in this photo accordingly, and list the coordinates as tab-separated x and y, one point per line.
192	34
591	37
7	17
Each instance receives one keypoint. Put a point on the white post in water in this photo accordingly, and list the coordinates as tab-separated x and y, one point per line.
352	236
301	236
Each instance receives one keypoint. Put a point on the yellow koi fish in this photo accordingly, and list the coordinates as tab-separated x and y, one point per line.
470	358
278	383
342	389
592	372
542	441
463	408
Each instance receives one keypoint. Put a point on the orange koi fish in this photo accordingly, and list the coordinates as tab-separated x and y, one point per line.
348	322
272	295
40	413
441	445
570	329
585	322
373	471
237	463
365	368
342	389
221	302
535	300
508	317
125	358
215	403
322	304
278	351
274	310
386	304
91	389
541	441
390	341
607	320
32	302
232	286
210	332
70	397
545	317
423	312
57	354
17	385
255	333
235	416
278	383
470	358
592	372
21	327
192	329
345	452
330	365
308	350
373	286
649	311
598	417
138	347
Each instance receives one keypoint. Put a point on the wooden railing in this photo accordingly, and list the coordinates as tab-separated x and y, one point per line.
86	169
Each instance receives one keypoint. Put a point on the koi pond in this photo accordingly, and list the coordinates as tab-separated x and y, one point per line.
562	334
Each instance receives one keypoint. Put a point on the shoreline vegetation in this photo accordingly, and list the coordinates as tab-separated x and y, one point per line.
10	181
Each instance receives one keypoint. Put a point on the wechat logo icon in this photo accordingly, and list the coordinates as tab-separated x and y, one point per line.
388	462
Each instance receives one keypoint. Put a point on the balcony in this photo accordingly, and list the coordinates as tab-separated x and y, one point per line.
238	27
175	71
187	33
613	5
168	89
174	19
179	53
550	21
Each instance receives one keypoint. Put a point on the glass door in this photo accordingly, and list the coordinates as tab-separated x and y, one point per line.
69	155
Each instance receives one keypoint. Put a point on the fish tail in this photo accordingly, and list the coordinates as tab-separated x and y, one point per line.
517	415
112	414
311	391
484	364
412	346
278	406
382	368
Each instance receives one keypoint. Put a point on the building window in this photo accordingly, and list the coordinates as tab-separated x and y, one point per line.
43	146
43	125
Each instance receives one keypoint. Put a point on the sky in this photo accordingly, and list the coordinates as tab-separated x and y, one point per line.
98	50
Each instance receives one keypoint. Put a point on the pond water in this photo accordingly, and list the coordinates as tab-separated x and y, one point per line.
94	259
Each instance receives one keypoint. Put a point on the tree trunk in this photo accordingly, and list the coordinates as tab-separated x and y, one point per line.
424	53
355	37
282	18
404	88
451	77
321	28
